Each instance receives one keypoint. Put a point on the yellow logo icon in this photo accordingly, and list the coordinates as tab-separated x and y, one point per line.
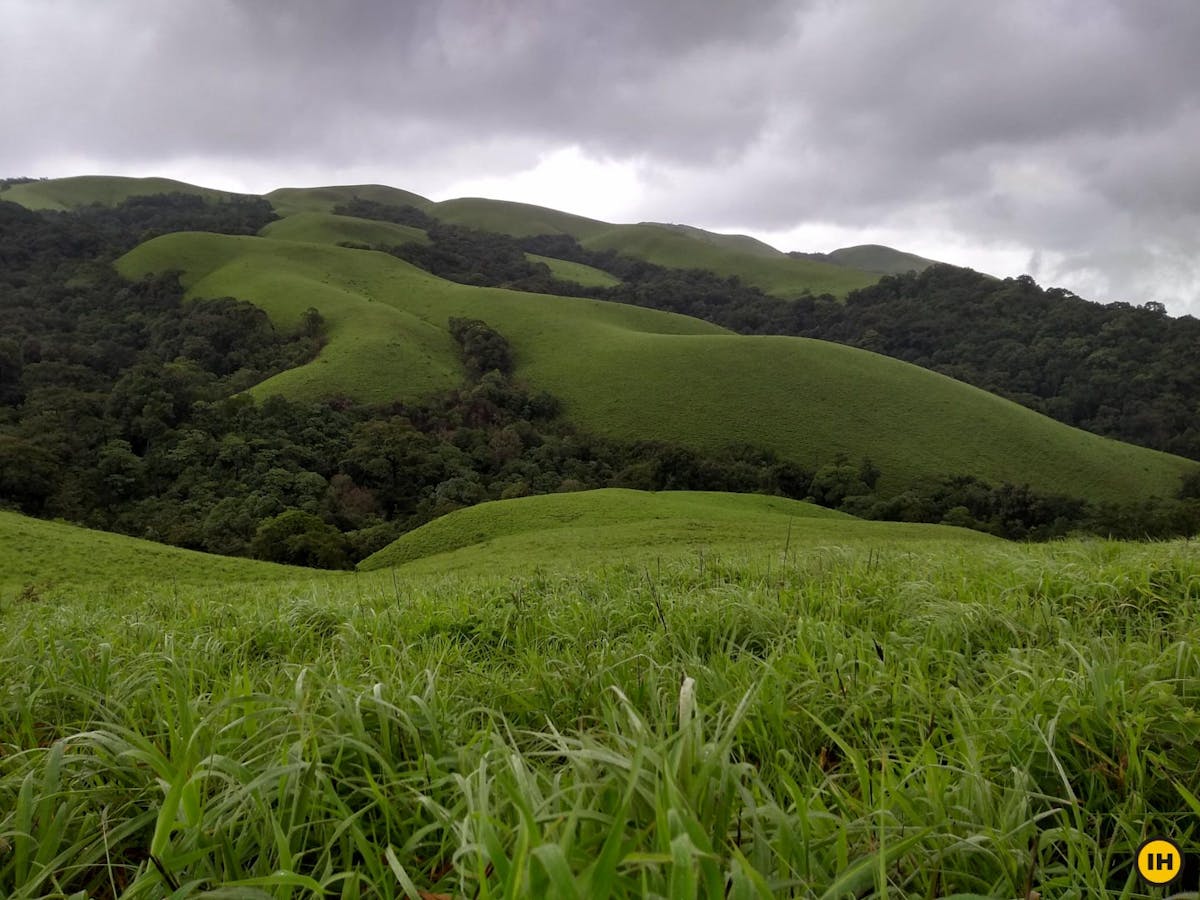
1159	861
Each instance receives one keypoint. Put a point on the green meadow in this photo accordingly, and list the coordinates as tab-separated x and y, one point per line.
635	373
819	714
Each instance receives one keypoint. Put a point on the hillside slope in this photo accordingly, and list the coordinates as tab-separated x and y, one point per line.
612	524
54	553
83	190
639	374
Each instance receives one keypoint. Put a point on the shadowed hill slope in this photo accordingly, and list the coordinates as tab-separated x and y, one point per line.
323	199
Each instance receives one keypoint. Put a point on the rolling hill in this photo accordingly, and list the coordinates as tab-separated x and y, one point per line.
681	246
637	374
83	190
612	524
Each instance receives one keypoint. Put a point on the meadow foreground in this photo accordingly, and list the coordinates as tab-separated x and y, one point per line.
911	721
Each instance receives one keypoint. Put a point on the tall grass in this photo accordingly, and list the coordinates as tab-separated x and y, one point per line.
941	720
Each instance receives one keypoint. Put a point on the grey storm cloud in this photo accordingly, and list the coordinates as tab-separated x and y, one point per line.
1067	127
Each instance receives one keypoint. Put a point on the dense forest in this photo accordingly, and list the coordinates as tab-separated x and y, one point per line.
121	407
1123	371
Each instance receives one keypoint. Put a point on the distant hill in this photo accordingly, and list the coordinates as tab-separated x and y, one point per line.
323	199
627	526
873	258
634	373
69	193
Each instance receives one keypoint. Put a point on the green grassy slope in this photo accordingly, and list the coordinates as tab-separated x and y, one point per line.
518	219
591	526
326	228
375	351
323	199
940	720
83	190
577	272
642	374
53	553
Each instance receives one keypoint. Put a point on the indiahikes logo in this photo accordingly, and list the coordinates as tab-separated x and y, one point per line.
1159	861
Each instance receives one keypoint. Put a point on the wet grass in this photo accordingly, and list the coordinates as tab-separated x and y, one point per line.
922	721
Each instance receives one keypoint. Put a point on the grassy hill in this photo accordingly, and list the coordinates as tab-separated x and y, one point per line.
591	527
83	190
871	258
637	373
877	258
326	228
51	554
288	201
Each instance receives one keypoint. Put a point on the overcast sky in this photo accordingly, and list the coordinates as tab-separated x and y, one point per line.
1058	138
